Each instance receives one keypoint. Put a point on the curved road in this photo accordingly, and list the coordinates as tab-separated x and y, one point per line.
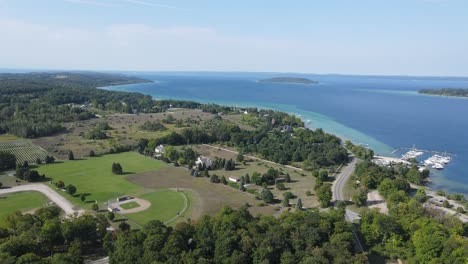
59	200
337	190
341	179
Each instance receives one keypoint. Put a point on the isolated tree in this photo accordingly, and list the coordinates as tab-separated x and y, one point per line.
214	178
92	153
287	177
266	195
95	207
247	178
83	197
7	161
360	198
71	189
117	169
71	156
280	186
241	185
124	226
285	202
110	216
223	180
323	175
60	184
324	194
49	159
240	157
299	204
38	161
315	173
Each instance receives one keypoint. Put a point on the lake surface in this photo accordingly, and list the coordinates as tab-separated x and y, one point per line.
386	113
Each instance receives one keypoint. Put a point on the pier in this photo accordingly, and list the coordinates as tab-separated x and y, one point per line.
425	151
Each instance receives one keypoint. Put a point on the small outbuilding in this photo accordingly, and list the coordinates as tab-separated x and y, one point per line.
234	179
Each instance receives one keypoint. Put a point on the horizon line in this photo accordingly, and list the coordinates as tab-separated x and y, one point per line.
30	70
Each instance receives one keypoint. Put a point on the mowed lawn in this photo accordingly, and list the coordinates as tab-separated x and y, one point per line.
93	177
165	204
130	205
22	201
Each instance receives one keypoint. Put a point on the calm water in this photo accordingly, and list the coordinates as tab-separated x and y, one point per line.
384	112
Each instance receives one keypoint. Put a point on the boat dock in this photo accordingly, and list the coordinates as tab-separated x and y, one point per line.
425	151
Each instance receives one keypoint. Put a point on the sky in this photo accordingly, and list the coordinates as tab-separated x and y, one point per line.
381	37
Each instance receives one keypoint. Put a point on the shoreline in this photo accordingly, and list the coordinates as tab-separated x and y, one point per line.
312	120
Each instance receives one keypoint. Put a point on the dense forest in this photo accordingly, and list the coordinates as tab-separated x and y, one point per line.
232	236
37	104
410	231
446	92
314	148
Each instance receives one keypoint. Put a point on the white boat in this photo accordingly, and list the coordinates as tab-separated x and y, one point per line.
438	166
412	154
428	162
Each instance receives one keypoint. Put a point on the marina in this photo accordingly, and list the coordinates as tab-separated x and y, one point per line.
437	161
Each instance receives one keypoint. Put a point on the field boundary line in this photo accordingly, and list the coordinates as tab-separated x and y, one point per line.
186	201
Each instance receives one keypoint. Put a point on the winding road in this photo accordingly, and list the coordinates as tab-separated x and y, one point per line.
337	190
59	200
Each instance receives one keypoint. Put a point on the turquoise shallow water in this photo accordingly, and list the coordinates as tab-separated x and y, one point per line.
382	112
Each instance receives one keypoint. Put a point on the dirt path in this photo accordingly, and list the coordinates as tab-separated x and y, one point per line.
253	157
60	201
375	200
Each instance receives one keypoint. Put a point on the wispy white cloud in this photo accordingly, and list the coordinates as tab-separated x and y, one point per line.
147	3
109	3
146	47
90	2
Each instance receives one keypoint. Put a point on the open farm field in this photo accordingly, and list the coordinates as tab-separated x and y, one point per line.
125	130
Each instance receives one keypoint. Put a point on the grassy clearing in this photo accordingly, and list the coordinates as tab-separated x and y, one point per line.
165	204
93	177
8	137
130	205
22	201
302	181
207	198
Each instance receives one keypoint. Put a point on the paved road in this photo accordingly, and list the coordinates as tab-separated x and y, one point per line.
341	179
60	201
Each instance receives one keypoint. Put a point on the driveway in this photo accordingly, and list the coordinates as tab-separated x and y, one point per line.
60	201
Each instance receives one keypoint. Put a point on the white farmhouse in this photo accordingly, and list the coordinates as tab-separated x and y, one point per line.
159	149
207	162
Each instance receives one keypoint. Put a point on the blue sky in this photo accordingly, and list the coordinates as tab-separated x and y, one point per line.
397	37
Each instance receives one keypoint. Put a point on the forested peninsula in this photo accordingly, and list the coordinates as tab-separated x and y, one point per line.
456	92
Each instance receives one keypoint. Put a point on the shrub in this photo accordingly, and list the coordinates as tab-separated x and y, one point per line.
280	186
71	189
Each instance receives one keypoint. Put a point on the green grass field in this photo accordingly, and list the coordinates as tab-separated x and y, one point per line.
8	137
130	205
22	201
93	177
165	204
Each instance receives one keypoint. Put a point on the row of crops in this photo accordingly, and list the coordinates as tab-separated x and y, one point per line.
24	151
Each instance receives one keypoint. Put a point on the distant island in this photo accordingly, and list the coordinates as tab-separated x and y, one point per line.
446	92
288	80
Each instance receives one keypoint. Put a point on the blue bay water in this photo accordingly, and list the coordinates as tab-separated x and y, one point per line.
385	113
